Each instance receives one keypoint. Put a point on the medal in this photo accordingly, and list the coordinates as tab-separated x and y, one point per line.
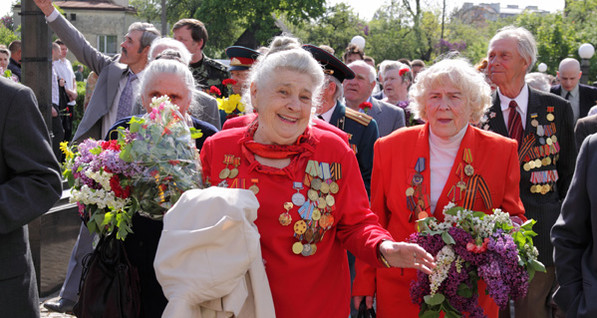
313	249
298	198
234	171
309	235
526	166
254	188
306	250
297	248
329	199
316	184
334	187
419	167
410	192
300	227
468	158
312	194
225	173
537	163
285	219
316	215
422	215
550	116
321	203
325	188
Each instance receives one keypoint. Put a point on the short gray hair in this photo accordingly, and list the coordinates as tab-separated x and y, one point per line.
169	43
150	33
285	52
372	72
389	65
339	88
526	45
459	73
538	81
167	66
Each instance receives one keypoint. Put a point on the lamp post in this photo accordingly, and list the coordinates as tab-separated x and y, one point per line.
542	67
585	52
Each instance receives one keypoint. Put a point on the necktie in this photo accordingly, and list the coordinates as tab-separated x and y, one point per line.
126	98
514	123
568	96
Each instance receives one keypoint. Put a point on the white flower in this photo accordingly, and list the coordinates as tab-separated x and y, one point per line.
444	259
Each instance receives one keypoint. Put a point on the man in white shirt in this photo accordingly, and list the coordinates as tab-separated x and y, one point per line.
581	97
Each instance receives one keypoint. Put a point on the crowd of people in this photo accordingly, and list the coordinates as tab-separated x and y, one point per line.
341	155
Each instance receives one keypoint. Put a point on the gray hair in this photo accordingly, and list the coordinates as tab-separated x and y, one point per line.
459	73
361	63
339	88
167	66
169	43
527	47
150	33
538	81
285	52
389	65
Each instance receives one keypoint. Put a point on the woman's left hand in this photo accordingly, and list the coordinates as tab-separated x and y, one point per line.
407	255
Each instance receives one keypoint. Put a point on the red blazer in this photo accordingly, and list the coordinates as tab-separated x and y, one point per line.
494	157
316	285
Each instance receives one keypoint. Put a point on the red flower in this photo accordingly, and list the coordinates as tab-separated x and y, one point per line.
174	162
477	249
111	145
117	188
215	90
365	106
228	81
403	71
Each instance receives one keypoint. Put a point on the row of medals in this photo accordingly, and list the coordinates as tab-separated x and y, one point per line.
311	230
537	163
227	173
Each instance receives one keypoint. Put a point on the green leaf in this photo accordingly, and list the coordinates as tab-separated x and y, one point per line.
538	266
465	291
435	299
448	239
429	314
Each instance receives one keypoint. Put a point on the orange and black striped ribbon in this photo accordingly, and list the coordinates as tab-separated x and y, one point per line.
528	141
477	184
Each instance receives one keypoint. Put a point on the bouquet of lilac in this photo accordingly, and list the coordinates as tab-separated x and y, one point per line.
469	246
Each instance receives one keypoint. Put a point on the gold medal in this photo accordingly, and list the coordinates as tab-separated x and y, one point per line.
285	219
316	214
321	203
469	170
547	161
554	139
532	164
300	227
537	163
534	123
325	188
410	192
533	188
550	117
297	248
326	221
233	173
316	184
544	189
312	194
329	199
422	215
334	187
526	166
288	206
254	188
313	249
224	173
549	141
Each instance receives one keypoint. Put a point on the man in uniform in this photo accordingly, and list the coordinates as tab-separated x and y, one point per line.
207	72
241	60
543	126
361	128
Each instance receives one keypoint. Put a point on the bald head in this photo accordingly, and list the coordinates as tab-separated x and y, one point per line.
569	73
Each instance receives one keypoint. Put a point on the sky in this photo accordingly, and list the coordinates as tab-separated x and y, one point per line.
366	8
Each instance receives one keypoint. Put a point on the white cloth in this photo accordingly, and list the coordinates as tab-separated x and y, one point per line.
209	259
55	89
441	156
523	104
64	69
327	116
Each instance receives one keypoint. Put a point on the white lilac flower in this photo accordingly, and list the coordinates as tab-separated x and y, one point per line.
444	260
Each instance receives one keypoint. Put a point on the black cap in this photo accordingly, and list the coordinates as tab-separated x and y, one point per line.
241	58
331	65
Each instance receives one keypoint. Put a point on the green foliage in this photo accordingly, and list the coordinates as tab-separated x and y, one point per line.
7	36
147	10
78	111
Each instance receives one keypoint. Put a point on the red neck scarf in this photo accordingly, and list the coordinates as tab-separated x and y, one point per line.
274	151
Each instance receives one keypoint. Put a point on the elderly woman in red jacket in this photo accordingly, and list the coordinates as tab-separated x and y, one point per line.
442	156
313	205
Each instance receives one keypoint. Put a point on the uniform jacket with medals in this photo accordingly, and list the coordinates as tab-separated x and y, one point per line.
306	280
362	134
548	142
492	157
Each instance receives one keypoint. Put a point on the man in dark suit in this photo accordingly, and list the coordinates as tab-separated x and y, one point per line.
573	237
112	99
361	128
581	97
15	58
543	125
29	185
584	127
357	95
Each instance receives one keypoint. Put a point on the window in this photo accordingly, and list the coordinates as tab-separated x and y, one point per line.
107	44
73	17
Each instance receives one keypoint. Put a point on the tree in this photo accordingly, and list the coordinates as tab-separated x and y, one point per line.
148	10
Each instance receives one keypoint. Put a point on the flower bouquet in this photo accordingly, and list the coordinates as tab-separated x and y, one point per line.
145	170
469	246
231	105
100	185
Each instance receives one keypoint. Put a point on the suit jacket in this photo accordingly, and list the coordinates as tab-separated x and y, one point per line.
584	127
575	253
387	116
379	95
544	208
361	137
207	110
108	69
15	68
29	185
494	158
587	97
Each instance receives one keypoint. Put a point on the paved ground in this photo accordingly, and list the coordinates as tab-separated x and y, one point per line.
50	314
